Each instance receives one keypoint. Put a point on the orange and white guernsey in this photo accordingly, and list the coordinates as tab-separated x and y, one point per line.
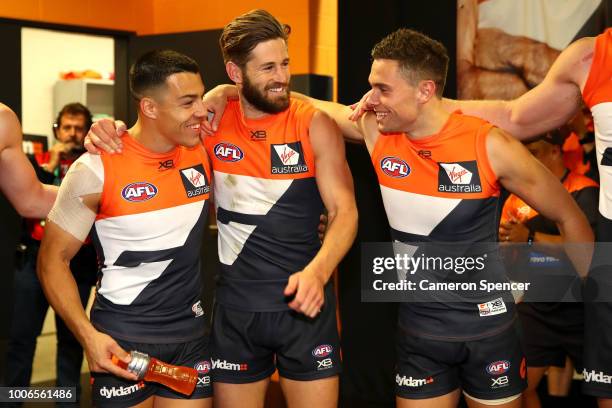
148	234
442	189
597	95
517	209
268	204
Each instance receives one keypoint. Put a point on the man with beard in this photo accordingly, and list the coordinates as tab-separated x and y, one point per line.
275	302
450	195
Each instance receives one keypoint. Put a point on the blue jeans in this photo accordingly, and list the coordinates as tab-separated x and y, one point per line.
30	308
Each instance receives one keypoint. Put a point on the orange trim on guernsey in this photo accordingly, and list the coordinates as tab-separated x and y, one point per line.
137	164
462	139
515	208
253	137
598	87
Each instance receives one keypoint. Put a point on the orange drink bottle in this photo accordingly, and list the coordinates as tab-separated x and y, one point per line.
178	378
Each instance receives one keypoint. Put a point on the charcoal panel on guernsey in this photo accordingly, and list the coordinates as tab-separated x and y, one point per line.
268	204
148	235
441	189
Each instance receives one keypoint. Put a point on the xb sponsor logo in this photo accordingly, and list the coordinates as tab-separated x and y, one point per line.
395	167
258	135
203	368
404	381
321	351
492	308
228	152
110	392
165	165
498	367
499	382
324	364
138	192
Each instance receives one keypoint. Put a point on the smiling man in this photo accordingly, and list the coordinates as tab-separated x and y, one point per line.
278	163
147	223
440	176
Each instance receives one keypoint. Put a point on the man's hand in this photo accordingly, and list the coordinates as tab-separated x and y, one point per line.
308	289
56	152
105	134
361	107
513	231
60	148
215	102
322	226
99	350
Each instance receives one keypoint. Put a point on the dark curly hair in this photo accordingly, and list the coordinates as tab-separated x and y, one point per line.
419	56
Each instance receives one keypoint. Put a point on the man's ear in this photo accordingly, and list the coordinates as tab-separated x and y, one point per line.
426	91
148	107
234	72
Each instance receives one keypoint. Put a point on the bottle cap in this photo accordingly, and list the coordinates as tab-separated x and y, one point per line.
139	363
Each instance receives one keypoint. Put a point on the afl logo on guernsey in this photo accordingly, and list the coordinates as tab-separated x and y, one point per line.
140	191
321	351
394	167
228	152
202	367
498	367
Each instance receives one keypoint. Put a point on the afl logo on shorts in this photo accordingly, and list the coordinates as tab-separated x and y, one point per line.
228	152
202	367
498	367
321	351
138	192
394	167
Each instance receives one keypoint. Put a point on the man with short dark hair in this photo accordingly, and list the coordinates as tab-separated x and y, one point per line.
72	124
147	229
448	194
278	163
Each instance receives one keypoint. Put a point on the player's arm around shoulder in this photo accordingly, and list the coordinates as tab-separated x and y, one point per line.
352	130
68	225
335	186
520	173
18	180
